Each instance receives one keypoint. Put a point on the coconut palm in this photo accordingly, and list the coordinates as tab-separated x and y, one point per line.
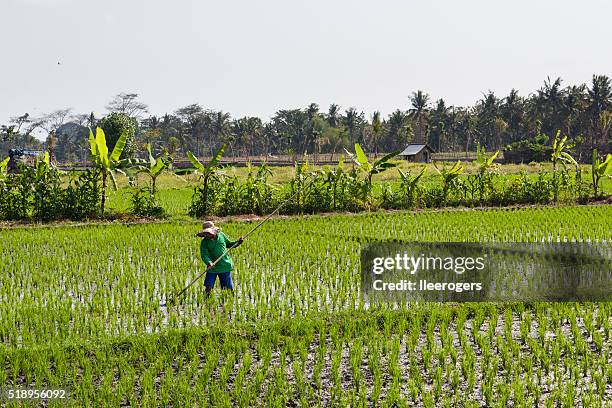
512	111
377	130
487	112
221	128
333	115
399	129
600	100
353	122
418	112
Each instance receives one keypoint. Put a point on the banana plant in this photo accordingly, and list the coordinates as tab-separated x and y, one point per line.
205	172
484	162
409	183
378	166
599	169
155	167
449	176
483	178
107	164
560	154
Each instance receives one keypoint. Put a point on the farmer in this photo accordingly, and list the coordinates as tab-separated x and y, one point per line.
213	245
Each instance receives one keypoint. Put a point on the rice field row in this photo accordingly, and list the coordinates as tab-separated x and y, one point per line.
80	308
97	281
431	355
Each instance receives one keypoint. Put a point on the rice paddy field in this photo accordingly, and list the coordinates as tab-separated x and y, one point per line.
84	308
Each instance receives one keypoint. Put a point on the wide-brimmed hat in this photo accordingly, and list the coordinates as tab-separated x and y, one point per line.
208	227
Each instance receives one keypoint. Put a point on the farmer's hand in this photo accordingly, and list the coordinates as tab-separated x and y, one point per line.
240	241
210	265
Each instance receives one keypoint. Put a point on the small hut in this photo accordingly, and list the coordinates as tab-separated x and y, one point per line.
420	153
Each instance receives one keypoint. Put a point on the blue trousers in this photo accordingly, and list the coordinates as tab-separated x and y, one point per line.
224	278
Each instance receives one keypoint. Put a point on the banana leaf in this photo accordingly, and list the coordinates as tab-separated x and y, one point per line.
119	146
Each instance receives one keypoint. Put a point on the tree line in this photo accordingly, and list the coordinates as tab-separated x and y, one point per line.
583	112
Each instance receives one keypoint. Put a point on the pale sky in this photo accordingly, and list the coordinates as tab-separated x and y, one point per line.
255	57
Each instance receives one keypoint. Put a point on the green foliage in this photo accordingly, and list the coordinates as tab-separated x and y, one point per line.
536	149
144	204
484	162
450	178
155	167
38	193
297	331
115	125
560	154
560	151
410	187
3	166
482	182
599	168
107	165
205	194
380	165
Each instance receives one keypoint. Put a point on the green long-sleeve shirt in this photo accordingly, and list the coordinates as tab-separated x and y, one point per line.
211	249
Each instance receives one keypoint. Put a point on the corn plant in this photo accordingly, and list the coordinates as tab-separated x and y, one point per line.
336	182
599	169
298	182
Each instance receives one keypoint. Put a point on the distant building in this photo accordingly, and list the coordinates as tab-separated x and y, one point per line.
417	152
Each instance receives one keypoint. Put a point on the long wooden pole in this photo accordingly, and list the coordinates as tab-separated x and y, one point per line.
212	265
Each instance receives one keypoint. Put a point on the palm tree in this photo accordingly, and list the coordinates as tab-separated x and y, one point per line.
220	128
332	115
600	100
512	111
419	100
574	104
353	122
246	130
377	129
312	111
192	117
439	121
487	112
399	129
551	96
